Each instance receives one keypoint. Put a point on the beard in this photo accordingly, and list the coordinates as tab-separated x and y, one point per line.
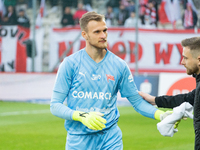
193	70
99	45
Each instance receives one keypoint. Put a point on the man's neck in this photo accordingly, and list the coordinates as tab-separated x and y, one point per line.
96	54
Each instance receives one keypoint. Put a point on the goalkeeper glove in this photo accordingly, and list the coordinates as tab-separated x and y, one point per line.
160	115
93	120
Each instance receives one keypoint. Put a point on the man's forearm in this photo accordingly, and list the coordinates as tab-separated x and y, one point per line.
57	107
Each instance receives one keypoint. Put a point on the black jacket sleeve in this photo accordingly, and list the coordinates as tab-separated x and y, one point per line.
174	101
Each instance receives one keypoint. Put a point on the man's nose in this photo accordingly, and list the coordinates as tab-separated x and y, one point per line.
182	62
103	35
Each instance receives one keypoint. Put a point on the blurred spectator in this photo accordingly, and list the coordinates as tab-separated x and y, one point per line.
156	3
131	6
142	10
131	21
122	15
184	2
21	4
189	17
124	2
67	18
109	16
115	6
150	16
22	19
10	17
79	12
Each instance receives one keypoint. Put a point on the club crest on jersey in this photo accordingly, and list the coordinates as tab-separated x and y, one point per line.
110	77
96	77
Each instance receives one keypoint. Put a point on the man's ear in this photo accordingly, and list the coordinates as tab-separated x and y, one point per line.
84	35
198	60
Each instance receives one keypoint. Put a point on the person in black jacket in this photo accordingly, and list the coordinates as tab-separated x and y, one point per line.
67	18
22	19
122	15
10	17
191	61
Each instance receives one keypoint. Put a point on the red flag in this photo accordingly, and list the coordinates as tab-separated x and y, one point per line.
169	11
41	14
162	13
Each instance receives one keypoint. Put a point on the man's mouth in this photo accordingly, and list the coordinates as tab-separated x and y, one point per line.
103	41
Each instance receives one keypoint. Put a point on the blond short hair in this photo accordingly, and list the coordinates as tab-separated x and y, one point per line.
89	16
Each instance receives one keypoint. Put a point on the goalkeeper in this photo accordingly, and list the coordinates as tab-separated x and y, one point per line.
90	80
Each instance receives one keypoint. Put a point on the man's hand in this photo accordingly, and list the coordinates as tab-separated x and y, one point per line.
93	120
147	97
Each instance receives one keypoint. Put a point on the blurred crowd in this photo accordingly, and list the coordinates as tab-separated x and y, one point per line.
13	13
151	12
117	12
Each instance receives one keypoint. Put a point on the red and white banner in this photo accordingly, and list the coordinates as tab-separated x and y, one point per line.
13	50
159	50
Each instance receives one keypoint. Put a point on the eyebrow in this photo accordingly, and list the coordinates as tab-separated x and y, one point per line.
100	30
184	56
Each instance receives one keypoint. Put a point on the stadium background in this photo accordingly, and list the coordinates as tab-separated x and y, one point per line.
25	120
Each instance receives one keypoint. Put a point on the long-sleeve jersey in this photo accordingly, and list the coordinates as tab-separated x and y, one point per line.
89	86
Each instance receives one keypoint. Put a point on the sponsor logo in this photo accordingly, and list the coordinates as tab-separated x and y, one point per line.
95	77
82	74
130	78
110	77
90	95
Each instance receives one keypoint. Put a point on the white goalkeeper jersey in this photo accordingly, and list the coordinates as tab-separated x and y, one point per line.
91	86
